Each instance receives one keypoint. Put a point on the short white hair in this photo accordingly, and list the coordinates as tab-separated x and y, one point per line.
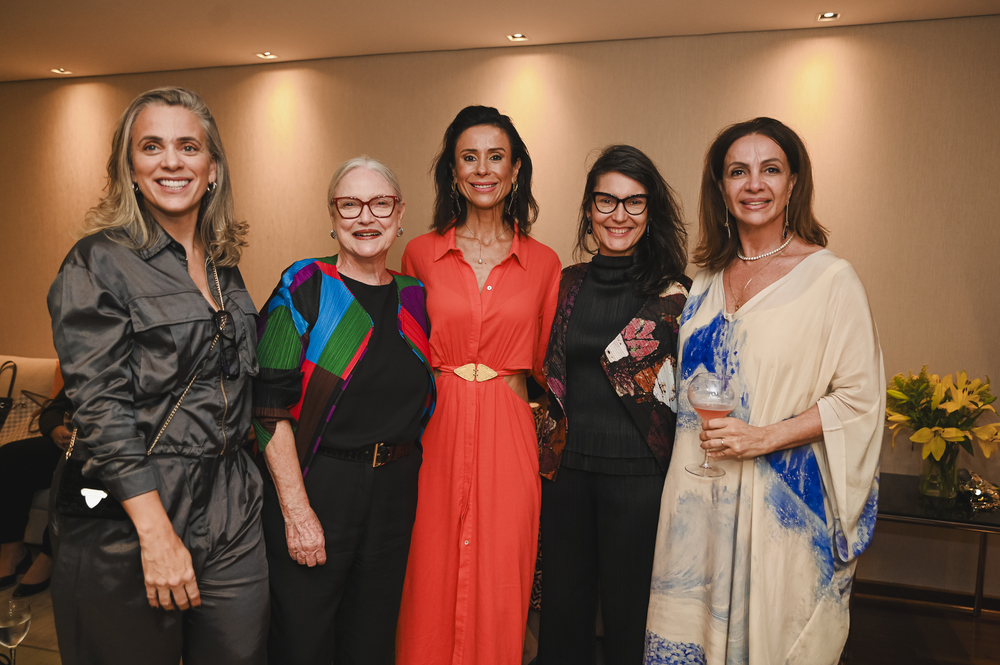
363	162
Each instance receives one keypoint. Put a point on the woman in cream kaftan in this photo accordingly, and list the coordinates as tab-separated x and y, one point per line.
756	566
472	554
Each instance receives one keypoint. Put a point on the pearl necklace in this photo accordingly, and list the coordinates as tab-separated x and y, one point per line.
765	254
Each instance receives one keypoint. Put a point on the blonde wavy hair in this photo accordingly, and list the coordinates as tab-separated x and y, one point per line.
222	234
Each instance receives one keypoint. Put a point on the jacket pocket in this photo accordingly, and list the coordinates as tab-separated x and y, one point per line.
246	330
169	334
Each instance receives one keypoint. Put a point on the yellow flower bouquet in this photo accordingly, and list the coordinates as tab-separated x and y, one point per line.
942	414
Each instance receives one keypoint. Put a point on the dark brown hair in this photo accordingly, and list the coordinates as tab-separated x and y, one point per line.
661	254
715	248
525	208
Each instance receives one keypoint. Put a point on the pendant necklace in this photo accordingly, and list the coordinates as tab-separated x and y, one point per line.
738	302
481	243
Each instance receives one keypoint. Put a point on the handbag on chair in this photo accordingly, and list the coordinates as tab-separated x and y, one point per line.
7	403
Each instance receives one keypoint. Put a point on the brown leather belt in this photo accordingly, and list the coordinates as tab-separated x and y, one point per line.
376	454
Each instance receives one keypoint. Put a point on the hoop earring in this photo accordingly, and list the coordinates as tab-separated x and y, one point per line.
399	232
729	232
333	234
590	231
513	200
211	188
784	236
456	199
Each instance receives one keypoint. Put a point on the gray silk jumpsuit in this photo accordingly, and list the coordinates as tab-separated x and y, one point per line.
131	329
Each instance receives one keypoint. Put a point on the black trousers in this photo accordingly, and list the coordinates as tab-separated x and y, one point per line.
345	611
98	596
26	466
598	532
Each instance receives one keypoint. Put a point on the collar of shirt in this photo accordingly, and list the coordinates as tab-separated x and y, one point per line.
163	239
446	243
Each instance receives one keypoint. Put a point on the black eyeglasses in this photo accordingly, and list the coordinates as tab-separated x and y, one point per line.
229	355
608	203
350	207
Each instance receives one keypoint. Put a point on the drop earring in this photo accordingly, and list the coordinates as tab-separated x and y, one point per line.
784	236
729	232
513	200
333	234
399	232
135	188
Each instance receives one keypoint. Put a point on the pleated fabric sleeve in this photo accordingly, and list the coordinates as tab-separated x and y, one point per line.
311	334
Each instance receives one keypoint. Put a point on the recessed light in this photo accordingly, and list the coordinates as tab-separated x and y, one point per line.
517	37
60	70
828	16
266	55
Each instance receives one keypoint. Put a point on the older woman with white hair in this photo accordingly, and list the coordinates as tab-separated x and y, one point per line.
344	393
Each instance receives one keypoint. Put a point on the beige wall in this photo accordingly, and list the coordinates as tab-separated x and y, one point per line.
902	122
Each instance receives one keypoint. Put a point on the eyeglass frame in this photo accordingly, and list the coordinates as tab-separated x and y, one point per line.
227	334
395	201
621	202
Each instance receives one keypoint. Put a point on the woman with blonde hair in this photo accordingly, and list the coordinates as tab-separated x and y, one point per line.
155	331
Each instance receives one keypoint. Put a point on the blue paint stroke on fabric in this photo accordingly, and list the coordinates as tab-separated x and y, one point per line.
795	497
660	651
690	573
865	528
692	305
799	470
706	347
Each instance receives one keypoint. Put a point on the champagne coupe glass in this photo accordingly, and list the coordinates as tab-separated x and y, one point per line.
15	617
712	396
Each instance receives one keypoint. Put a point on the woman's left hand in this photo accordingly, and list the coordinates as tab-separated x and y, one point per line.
733	439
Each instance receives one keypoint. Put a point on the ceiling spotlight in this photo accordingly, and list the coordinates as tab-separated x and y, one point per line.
517	37
266	55
828	16
60	70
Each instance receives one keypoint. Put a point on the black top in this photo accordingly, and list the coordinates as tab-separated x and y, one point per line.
601	435
132	329
384	397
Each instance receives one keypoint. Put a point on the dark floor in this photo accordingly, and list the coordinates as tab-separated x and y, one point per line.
889	633
882	633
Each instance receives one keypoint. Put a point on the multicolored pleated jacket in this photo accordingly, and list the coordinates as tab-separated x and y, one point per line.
641	363
311	334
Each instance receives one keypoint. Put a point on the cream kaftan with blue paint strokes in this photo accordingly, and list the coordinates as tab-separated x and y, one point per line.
756	566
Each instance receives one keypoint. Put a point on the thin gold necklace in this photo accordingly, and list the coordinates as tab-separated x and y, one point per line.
738	302
481	243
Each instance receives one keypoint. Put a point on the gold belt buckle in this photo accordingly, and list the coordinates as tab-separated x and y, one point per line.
375	462
473	372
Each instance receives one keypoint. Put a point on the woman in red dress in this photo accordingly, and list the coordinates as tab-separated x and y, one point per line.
491	297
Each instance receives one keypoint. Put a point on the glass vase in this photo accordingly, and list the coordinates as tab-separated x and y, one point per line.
939	478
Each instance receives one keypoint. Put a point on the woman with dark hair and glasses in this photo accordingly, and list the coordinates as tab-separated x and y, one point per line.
491	292
756	565
608	434
155	334
345	391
